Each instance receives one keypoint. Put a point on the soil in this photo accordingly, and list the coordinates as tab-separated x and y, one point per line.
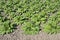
18	35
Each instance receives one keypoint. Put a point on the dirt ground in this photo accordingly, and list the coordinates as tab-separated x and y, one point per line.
18	35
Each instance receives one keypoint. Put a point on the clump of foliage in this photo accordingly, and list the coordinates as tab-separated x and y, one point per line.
30	28
53	24
30	13
5	26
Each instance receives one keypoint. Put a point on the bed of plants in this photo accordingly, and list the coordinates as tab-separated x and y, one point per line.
32	15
